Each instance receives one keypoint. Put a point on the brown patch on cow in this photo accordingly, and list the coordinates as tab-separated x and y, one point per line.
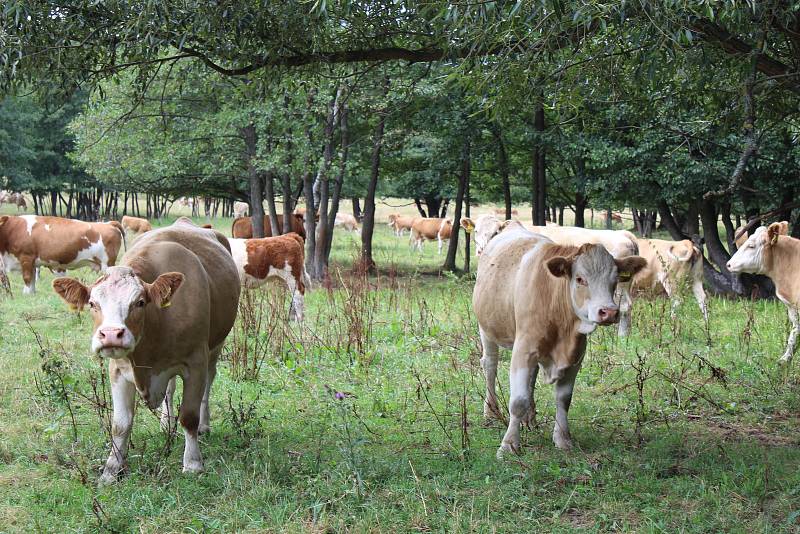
163	288
242	228
207	226
276	252
72	291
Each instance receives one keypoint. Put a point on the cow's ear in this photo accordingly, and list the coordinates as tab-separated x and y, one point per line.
72	291
560	266
773	231
627	267
3	219
467	224
161	291
784	226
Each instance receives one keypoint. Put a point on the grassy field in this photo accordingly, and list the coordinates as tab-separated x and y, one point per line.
679	427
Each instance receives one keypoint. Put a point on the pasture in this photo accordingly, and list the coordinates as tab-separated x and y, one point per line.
368	418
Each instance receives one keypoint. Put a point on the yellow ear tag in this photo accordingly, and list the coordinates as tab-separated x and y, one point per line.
774	239
469	228
624	276
166	304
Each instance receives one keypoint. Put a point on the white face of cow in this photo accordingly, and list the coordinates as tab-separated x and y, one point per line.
751	257
117	302
593	275
483	229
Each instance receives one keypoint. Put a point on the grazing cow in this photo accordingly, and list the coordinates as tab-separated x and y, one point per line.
400	223
430	228
241	209
346	221
166	311
186	202
502	212
541	299
783	229
135	225
28	242
283	257
668	262
615	217
242	227
773	254
18	199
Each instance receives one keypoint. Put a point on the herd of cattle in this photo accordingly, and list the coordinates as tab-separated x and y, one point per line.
166	309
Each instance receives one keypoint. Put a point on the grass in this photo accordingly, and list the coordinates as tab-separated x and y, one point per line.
702	437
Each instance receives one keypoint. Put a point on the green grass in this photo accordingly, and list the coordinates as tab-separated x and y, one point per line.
712	446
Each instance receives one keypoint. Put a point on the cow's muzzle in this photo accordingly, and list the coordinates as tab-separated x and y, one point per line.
608	315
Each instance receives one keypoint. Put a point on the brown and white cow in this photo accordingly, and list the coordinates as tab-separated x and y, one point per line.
135	225
281	257
431	229
773	254
346	221
400	223
783	229
164	312
540	300
28	242
242	227
241	209
669	262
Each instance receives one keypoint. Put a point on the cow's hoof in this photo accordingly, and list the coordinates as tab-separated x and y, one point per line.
565	444
203	429
193	466
507	448
784	359
108	478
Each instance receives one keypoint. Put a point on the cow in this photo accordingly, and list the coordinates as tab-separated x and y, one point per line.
484	228
668	262
400	223
18	199
346	221
615	217
165	311
541	299
242	227
430	228
773	254
28	242
502	212
135	225
241	209
282	257
783	229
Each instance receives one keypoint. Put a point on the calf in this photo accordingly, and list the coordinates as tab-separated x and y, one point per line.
540	300
430	229
135	225
773	254
28	242
282	257
242	227
241	209
400	223
668	262
166	311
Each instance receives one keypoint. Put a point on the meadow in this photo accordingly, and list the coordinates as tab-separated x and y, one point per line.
368	418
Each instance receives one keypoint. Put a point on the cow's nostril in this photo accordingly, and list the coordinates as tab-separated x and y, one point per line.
119	334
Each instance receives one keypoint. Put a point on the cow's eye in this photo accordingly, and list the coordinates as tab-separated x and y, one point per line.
92	305
140	303
580	280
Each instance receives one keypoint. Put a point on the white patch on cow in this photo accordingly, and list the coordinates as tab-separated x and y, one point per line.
94	255
114	297
47	227
30	220
239	253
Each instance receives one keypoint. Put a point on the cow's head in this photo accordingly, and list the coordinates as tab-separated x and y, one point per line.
117	302
755	255
593	275
483	229
393	219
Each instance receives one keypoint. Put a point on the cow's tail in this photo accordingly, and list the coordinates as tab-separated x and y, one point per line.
121	229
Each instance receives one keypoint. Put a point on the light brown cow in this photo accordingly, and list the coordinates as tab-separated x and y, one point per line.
400	223
669	262
281	257
431	229
18	199
773	254
783	229
615	217
242	227
346	221
28	242
540	300
502	212
166	311
135	225
241	209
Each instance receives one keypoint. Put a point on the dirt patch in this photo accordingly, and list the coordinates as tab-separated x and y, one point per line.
745	432
579	519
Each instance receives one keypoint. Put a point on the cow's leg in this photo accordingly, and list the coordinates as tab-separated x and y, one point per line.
489	365
672	294
790	344
625	304
296	308
123	394
439	252
530	419
205	415
700	295
168	418
563	393
194	387
28	268
519	401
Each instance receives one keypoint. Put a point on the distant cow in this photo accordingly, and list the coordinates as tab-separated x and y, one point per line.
541	299
241	209
783	229
17	199
135	225
282	257
242	227
165	311
502	212
431	229
400	223
615	217
668	262
346	221
28	242
773	254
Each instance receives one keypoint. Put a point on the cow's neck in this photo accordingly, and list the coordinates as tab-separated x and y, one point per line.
785	257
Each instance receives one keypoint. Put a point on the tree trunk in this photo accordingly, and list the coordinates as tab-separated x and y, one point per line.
255	179
337	185
467	255
322	188
420	209
669	221
538	168
609	219
452	249
445	205
502	165
368	228
434	203
357	209
269	182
